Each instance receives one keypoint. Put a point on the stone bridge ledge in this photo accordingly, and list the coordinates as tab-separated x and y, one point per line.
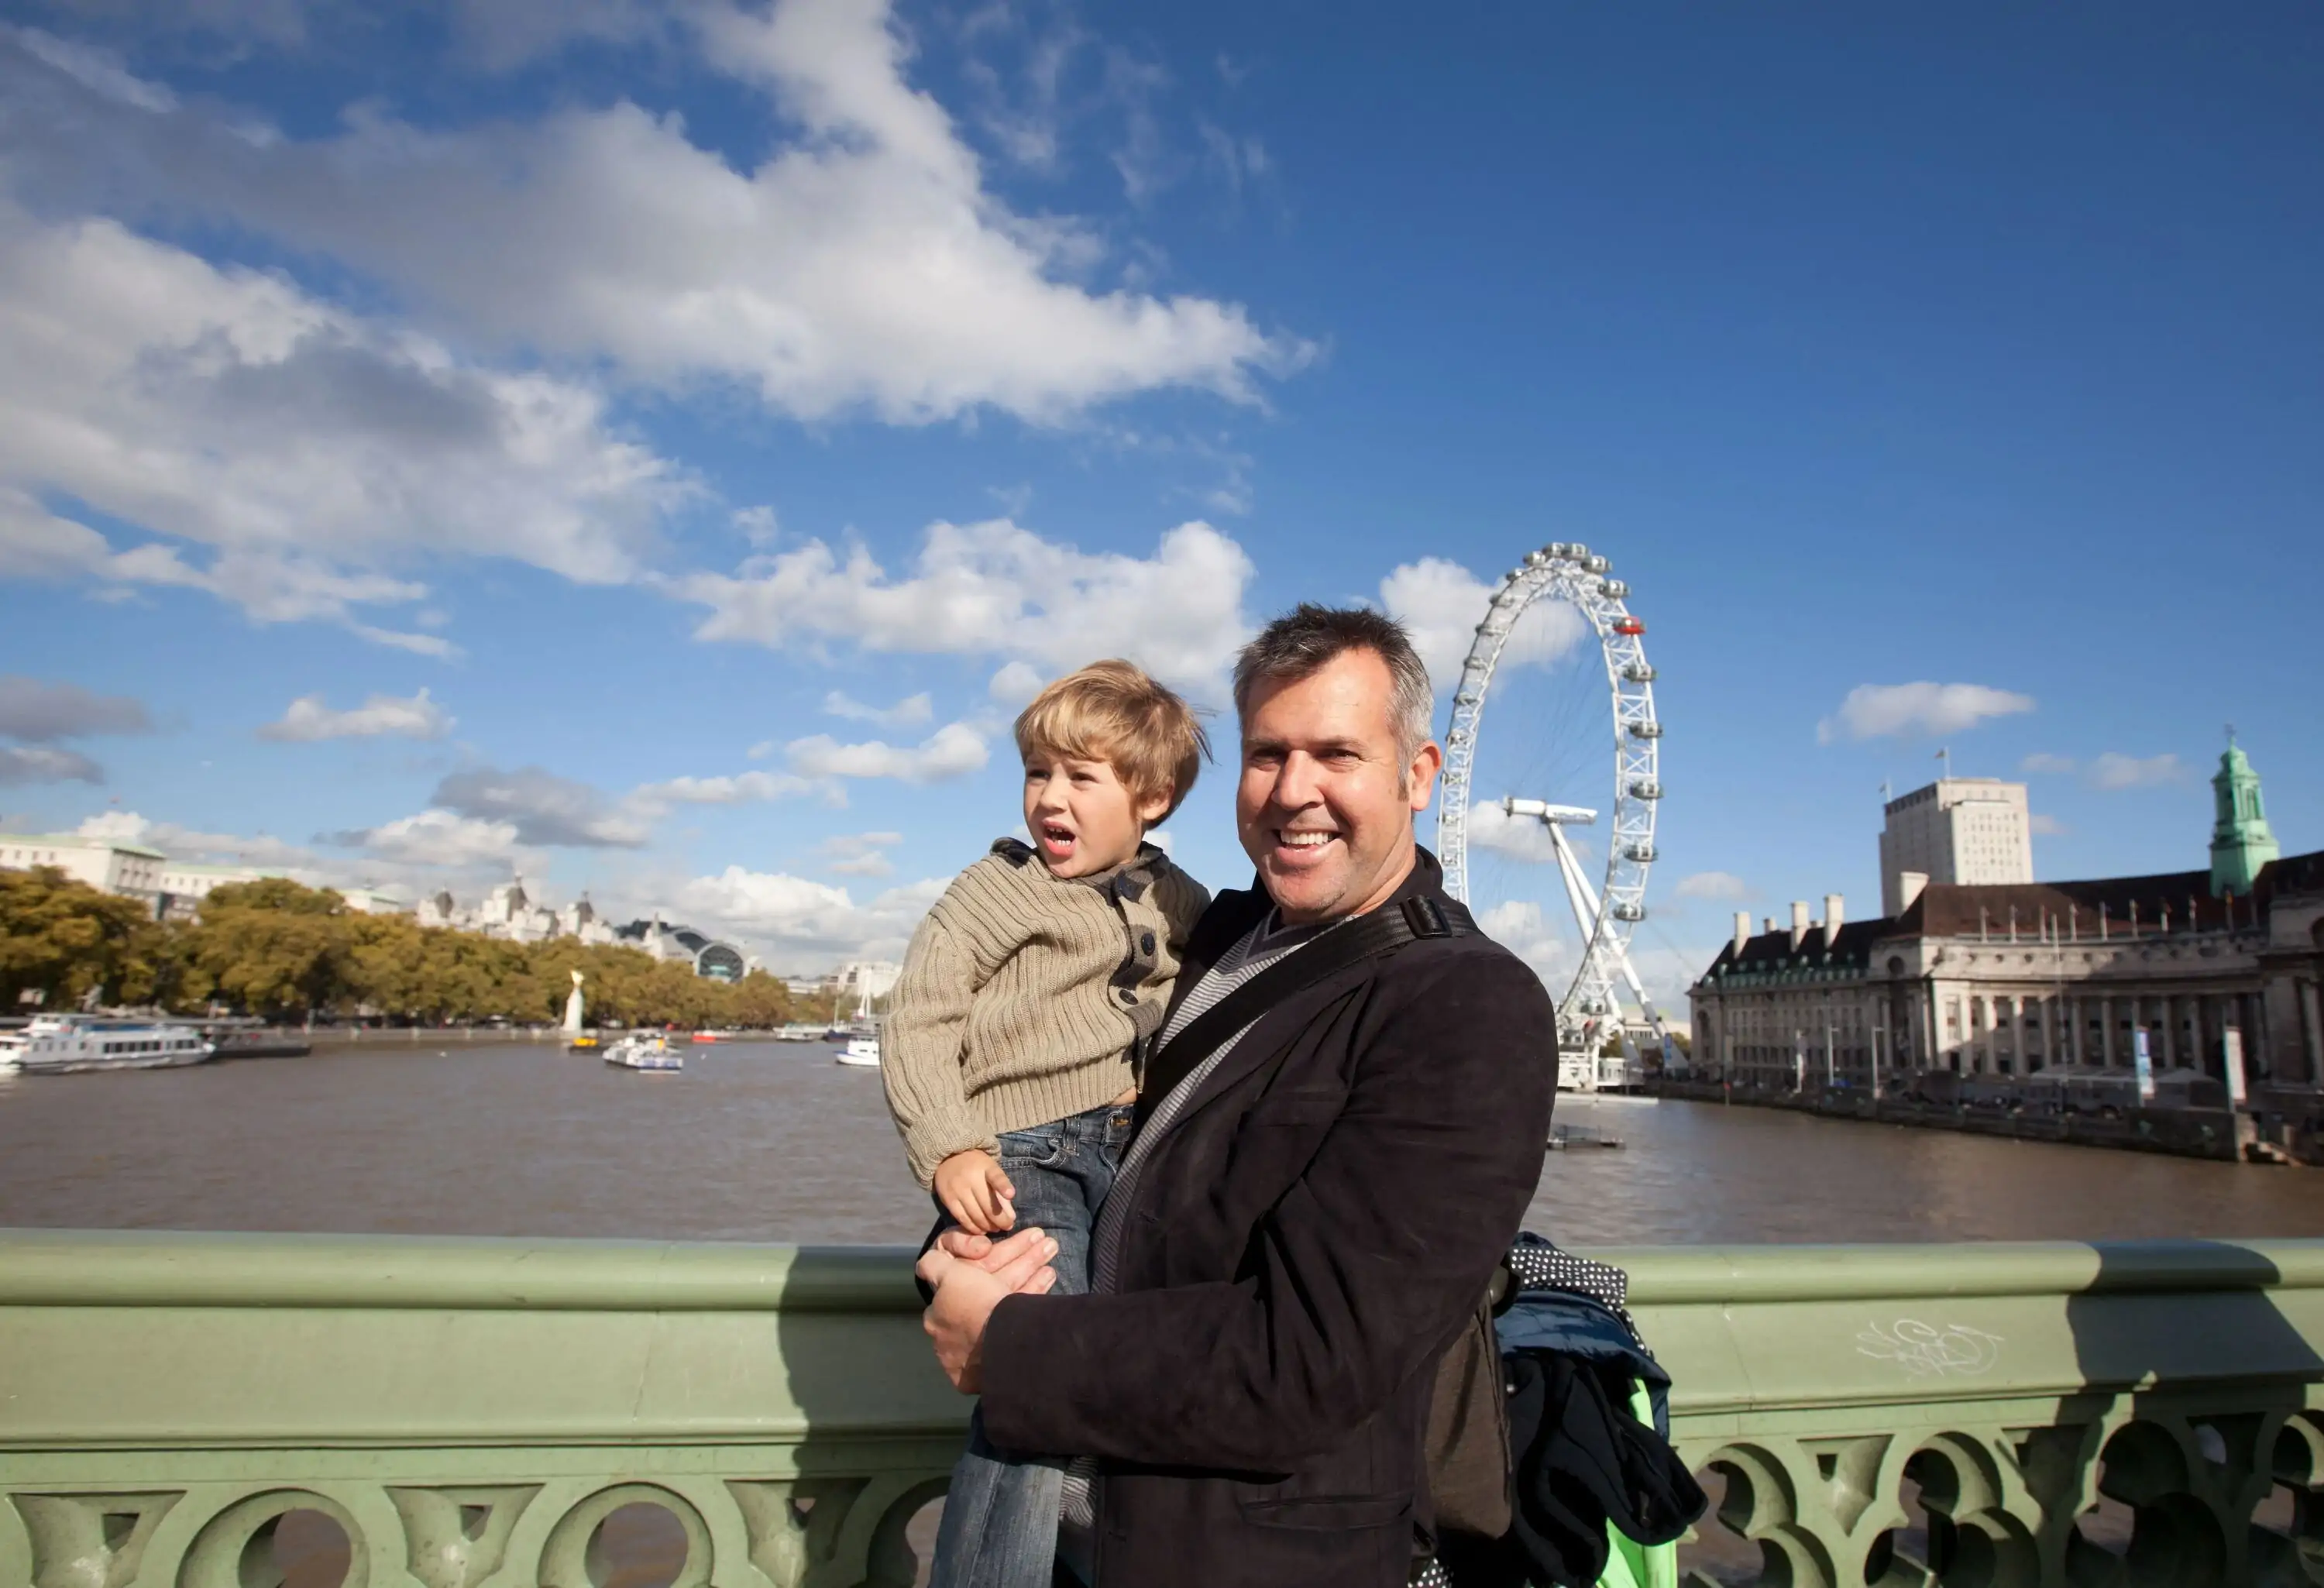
469	1412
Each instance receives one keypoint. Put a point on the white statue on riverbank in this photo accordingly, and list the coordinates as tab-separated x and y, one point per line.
573	1007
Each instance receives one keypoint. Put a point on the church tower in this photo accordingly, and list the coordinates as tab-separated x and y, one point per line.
2240	842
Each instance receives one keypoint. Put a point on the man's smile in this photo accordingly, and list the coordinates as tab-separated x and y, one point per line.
1305	843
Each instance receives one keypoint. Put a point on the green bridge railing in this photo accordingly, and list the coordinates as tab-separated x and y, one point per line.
469	1413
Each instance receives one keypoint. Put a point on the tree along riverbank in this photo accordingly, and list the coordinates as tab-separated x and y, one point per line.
283	953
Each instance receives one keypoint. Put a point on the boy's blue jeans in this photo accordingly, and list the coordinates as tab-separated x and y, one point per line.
1000	1526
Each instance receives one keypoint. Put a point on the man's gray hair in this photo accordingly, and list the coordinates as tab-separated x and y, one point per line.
1309	637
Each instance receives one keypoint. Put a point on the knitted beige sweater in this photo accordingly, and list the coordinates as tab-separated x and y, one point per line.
1023	994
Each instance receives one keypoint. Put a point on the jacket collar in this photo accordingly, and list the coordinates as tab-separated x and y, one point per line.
1267	1036
1231	914
1426	878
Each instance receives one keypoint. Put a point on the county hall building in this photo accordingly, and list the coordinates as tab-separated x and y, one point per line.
1980	971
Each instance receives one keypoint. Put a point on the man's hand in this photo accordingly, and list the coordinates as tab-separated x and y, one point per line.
968	1291
976	1192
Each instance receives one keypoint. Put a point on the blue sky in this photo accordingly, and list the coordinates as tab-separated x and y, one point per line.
678	394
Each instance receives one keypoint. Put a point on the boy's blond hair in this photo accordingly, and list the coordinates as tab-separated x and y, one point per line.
1112	711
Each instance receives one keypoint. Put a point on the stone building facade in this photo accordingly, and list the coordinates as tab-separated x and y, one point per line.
109	865
2011	980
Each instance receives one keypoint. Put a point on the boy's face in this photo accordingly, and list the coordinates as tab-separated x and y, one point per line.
1083	820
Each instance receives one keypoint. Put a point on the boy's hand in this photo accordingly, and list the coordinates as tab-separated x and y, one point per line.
976	1192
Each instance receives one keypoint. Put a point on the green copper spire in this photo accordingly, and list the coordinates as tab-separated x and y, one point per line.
2240	842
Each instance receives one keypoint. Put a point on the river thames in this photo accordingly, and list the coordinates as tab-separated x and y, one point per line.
768	1141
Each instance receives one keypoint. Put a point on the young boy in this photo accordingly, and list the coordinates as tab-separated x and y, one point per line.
1007	1051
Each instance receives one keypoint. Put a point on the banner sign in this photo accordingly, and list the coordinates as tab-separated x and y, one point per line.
2145	1065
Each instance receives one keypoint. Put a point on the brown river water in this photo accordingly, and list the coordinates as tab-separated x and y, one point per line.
770	1141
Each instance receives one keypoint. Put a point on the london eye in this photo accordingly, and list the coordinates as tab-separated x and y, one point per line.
1550	859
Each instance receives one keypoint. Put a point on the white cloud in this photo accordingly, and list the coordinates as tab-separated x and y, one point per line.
1668	971
995	589
740	788
758	525
2114	771
864	265
180	843
801	924
1873	711
1492	827
437	839
413	853
98	70
952	751
291	451
907	713
1519	926
1015	684
858	854
40	713
502	34
1439	603
1724	885
2043	824
45	763
308	719
539	807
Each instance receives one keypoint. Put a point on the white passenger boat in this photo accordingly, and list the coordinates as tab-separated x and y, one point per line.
641	1051
67	1044
861	1036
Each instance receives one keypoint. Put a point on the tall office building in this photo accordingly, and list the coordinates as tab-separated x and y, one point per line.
1973	831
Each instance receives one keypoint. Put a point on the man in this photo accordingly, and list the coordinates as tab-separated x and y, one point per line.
1312	1212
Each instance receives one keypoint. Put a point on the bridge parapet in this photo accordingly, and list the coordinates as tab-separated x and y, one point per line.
469	1413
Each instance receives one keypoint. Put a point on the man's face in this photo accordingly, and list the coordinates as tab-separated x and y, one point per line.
1325	804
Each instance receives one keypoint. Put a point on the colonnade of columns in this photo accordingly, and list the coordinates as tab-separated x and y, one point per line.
2018	1033
1911	1024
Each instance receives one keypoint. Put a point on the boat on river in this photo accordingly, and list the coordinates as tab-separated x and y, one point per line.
641	1051
70	1044
861	1036
257	1042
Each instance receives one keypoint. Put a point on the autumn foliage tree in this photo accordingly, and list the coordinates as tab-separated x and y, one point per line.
61	939
282	951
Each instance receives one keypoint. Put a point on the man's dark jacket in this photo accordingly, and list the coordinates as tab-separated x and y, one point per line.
1319	1223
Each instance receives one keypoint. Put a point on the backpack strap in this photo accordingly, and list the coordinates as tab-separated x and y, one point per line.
1349	943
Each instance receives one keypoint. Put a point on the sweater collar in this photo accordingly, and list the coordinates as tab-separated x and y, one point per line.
1128	882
